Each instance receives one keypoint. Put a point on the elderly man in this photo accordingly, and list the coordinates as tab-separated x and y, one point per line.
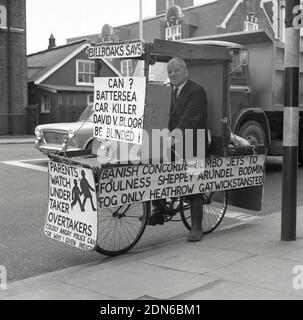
188	111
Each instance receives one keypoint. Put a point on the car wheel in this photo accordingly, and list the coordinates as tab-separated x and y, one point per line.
89	146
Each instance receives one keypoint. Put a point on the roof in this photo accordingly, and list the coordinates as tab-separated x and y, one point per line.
243	37
165	50
42	64
210	14
217	43
56	88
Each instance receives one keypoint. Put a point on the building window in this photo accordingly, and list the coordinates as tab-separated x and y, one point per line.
45	104
282	23
90	99
251	23
3	17
173	33
237	71
85	72
127	68
250	26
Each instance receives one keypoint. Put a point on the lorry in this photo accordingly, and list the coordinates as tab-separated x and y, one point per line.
257	88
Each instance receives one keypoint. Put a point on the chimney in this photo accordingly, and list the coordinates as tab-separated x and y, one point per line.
169	4
51	42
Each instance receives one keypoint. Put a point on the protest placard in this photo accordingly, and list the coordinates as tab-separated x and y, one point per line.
128	49
72	206
129	184
119	108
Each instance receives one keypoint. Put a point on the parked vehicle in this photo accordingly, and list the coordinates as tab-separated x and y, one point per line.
68	136
257	88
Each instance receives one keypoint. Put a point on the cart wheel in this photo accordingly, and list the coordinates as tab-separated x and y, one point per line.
214	208
120	228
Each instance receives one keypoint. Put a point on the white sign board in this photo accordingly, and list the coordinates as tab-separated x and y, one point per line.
119	108
72	206
3	17
116	50
123	185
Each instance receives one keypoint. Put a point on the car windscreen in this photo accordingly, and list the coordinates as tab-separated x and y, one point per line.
87	114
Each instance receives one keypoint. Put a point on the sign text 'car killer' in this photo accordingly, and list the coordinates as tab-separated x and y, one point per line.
119	108
124	50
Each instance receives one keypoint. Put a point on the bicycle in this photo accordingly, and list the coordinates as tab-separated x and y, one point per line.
120	228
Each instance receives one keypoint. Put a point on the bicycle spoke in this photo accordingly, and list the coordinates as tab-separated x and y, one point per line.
120	228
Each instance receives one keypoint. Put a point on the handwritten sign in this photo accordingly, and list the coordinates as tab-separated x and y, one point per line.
119	108
129	184
72	207
116	50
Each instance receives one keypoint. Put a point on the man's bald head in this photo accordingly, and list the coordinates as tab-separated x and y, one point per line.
177	71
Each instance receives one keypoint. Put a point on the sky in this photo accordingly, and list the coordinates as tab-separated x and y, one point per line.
73	18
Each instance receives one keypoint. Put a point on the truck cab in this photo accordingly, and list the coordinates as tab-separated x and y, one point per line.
257	88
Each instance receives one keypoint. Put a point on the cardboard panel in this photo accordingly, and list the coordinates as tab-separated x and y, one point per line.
210	77
246	198
250	198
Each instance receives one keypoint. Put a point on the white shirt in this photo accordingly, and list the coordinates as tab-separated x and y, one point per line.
180	88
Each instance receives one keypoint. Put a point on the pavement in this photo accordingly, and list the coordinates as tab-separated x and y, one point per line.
245	262
17	139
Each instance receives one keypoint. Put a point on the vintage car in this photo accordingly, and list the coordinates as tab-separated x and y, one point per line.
67	136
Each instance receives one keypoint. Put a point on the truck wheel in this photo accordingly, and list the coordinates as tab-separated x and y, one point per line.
253	132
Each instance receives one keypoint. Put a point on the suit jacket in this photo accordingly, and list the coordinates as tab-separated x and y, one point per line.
190	110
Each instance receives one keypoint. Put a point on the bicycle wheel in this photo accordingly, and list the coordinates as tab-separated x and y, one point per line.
214	208
120	228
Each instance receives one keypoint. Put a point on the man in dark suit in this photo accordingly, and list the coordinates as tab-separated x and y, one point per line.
188	111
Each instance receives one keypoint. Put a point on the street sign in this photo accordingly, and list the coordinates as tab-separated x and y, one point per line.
126	49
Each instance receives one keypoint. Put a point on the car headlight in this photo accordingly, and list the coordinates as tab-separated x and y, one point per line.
71	133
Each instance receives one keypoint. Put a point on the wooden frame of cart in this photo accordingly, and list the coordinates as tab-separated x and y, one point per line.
126	173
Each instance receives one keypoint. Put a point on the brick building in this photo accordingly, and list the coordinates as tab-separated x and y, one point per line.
180	19
60	82
13	85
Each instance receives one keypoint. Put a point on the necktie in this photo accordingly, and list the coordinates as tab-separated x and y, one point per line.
176	93
174	98
173	104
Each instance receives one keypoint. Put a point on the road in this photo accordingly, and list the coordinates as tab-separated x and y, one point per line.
26	251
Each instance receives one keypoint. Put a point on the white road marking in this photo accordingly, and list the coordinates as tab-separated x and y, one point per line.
29	160
22	164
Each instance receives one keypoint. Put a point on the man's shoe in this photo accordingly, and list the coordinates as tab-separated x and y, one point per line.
194	236
156	217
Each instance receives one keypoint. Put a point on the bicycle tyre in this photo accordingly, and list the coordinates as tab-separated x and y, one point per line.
213	211
120	228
